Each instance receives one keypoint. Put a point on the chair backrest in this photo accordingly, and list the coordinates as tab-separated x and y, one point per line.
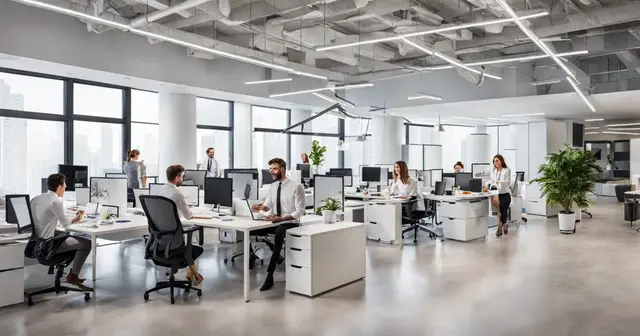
19	208
164	223
439	189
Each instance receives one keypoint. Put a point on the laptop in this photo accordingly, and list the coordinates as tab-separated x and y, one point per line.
253	216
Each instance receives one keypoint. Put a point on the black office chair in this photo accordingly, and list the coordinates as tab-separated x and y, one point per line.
44	251
167	246
413	218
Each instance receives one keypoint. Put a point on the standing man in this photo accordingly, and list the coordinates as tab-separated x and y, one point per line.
285	205
210	164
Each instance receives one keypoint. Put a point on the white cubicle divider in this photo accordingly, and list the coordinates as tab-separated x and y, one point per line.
295	175
328	186
240	181
137	193
432	157
109	191
192	194
82	196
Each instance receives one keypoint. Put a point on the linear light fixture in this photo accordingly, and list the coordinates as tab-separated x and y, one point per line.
449	59
432	31
145	33
292	93
592	133
522	115
329	99
592	128
267	81
468	118
590	120
352	86
424	96
577	89
623	125
625	129
624	133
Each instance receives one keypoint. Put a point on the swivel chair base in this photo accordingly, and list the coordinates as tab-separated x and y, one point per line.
59	288
172	284
253	257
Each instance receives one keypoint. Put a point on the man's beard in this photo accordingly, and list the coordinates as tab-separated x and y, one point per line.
179	183
277	176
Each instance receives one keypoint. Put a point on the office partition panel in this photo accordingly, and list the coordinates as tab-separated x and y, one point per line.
328	186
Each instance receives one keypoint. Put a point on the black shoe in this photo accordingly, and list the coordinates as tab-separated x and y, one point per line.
268	283
280	260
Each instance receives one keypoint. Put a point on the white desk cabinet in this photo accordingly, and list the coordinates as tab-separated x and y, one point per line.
11	274
322	257
383	221
465	220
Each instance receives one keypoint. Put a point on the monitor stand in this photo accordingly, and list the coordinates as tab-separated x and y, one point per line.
214	209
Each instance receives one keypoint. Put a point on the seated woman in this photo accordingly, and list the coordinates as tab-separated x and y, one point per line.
405	186
458	167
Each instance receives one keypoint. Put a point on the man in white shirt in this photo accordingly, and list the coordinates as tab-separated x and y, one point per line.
48	210
284	204
210	164
170	190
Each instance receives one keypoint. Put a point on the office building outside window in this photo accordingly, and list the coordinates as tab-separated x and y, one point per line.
99	146
97	101
145	112
31	94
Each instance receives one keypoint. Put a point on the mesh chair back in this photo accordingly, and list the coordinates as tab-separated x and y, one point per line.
164	223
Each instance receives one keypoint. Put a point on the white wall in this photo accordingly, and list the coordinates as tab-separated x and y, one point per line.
242	136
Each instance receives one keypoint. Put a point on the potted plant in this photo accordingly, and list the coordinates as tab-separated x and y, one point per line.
317	155
328	208
566	179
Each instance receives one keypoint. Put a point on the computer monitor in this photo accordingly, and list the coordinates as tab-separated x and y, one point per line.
462	180
370	174
21	208
218	191
195	176
347	173
266	176
192	194
154	187
253	171
305	169
475	185
76	176
10	216
520	176
43	185
390	175
439	188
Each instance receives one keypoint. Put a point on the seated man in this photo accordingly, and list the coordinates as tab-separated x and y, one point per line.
48	211
285	204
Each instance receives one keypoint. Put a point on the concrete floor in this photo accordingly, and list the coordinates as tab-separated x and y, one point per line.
535	281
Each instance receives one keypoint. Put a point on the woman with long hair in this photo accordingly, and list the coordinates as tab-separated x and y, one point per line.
305	158
405	186
501	181
135	170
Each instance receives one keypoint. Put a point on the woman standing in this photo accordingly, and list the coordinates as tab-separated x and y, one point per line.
136	173
305	158
501	181
405	186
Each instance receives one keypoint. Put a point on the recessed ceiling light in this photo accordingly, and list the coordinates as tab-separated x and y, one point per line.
591	128
592	133
624	129
468	118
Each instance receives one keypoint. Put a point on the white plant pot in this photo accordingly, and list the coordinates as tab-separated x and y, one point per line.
329	216
567	222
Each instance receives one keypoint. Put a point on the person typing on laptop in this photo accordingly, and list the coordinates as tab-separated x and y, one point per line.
284	204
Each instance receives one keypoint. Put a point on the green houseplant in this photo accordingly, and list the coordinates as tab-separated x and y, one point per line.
317	155
328	208
565	179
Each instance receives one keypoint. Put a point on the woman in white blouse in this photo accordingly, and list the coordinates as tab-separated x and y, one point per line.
405	186
501	181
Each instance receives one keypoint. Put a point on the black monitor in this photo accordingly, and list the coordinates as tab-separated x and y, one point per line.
475	185
266	177
218	191
371	174
43	185
19	208
439	187
305	169
195	176
76	176
520	176
389	175
347	173
462	180
10	215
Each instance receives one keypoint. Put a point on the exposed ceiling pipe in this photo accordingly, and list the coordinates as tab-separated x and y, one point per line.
158	5
222	6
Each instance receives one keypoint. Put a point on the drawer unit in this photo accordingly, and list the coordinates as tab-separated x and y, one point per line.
465	229
230	236
12	291
298	241
465	209
383	221
299	279
298	256
12	256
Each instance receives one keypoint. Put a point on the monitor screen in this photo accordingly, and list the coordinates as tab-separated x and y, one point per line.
371	174
20	206
347	173
462	180
195	176
390	175
192	194
218	191
305	169
11	215
76	176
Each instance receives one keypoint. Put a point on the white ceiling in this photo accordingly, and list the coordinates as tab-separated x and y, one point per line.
610	106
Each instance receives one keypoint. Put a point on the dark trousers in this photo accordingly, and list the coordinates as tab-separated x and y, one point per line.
505	202
280	232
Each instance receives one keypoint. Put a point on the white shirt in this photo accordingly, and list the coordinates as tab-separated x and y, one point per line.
172	192
48	210
291	199
501	179
398	188
214	171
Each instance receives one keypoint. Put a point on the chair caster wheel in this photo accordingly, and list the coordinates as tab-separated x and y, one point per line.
415	241
30	302
146	297
262	262
66	291
173	301
186	290
225	260
87	297
199	293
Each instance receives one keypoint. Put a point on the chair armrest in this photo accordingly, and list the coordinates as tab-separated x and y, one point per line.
191	229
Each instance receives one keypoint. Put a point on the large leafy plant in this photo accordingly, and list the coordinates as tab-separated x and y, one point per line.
317	153
567	177
330	204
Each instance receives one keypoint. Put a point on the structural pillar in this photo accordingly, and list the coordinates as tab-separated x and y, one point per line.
242	136
387	139
178	127
478	148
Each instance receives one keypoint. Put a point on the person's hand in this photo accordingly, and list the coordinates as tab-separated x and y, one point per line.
276	219
79	216
257	207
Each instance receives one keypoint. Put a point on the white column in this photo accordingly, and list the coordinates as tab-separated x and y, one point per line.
300	144
177	131
242	136
477	147
387	139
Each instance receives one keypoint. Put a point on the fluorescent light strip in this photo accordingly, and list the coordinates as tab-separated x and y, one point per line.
424	96
592	133
275	95
624	133
589	120
623	125
507	60
432	31
525	29
577	89
164	38
592	128
449	59
522	115
352	86
625	129
267	81
325	98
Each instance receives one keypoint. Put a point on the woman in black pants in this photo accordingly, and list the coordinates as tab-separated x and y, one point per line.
501	180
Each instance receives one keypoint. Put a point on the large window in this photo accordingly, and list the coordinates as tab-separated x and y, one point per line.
144	128
99	146
214	130
273	118
25	157
268	143
219	140
97	101
31	94
212	112
145	106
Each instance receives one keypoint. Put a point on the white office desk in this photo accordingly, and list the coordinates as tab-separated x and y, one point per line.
246	225
464	217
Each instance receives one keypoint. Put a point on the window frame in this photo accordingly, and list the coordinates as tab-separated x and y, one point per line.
229	128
